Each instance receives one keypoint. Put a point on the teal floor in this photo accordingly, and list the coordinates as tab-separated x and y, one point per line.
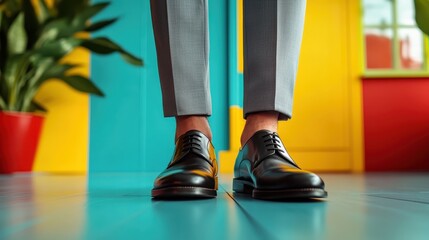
119	206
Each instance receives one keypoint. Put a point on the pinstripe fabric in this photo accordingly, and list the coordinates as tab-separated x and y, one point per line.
272	41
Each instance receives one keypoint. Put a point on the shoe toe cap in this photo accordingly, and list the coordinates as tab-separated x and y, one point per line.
194	178
291	179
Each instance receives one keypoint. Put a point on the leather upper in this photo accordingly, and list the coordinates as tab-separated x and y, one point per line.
264	160
193	163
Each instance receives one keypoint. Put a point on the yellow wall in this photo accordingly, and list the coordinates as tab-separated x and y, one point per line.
63	146
325	133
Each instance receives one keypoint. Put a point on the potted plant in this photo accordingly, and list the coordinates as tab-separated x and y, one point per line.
34	39
422	15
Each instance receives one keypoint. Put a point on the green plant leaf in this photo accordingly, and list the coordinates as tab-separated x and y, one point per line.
44	12
41	67
16	37
132	59
31	22
10	7
422	15
55	29
58	70
82	84
14	76
104	45
101	45
33	83
67	8
100	25
16	65
81	17
3	105
3	54
35	106
57	49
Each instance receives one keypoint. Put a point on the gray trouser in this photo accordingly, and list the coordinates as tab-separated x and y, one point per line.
272	41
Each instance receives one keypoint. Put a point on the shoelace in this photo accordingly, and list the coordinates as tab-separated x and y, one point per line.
191	142
273	142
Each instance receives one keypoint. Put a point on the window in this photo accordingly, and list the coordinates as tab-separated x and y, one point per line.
393	42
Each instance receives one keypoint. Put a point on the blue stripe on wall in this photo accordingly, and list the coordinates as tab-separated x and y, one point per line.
127	129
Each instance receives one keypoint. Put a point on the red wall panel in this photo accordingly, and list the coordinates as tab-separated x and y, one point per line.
396	124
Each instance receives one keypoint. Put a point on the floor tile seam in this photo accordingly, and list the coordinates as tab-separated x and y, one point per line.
252	221
222	187
399	199
397	192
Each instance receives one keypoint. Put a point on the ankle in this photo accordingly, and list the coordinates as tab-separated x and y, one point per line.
192	122
259	121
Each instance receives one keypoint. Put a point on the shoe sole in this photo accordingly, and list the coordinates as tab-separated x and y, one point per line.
246	187
183	192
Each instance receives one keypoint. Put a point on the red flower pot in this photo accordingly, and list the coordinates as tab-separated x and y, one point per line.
19	137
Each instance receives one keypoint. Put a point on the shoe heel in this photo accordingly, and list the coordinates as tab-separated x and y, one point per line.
241	186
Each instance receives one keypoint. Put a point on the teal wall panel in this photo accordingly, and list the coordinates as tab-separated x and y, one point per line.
235	83
127	129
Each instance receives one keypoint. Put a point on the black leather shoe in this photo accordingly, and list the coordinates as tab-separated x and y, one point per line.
264	169
192	172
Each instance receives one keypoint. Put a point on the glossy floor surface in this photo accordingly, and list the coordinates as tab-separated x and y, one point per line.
119	206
